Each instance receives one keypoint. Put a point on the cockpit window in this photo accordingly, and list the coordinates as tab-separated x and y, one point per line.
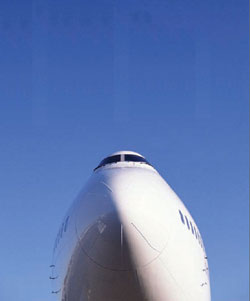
109	160
134	158
122	158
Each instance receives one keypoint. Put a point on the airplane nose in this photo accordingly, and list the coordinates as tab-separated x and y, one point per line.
101	267
120	229
104	243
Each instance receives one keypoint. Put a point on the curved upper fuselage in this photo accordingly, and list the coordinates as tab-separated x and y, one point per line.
129	237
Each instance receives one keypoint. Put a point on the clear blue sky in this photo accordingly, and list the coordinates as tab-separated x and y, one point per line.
81	79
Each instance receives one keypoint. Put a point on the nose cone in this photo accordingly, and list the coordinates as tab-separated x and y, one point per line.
105	244
101	267
120	225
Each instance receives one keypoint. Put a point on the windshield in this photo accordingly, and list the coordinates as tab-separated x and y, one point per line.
122	158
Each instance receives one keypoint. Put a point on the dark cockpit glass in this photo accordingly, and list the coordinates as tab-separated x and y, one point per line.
119	158
108	160
134	158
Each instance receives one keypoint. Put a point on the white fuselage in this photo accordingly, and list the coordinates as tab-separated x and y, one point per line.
129	237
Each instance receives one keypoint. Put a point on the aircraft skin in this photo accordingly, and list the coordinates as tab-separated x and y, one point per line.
128	236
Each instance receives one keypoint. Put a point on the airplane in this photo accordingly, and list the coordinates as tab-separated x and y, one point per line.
129	237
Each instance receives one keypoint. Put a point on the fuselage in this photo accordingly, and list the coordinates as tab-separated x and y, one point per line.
126	237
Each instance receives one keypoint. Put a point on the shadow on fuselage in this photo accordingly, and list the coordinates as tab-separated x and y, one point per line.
101	267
